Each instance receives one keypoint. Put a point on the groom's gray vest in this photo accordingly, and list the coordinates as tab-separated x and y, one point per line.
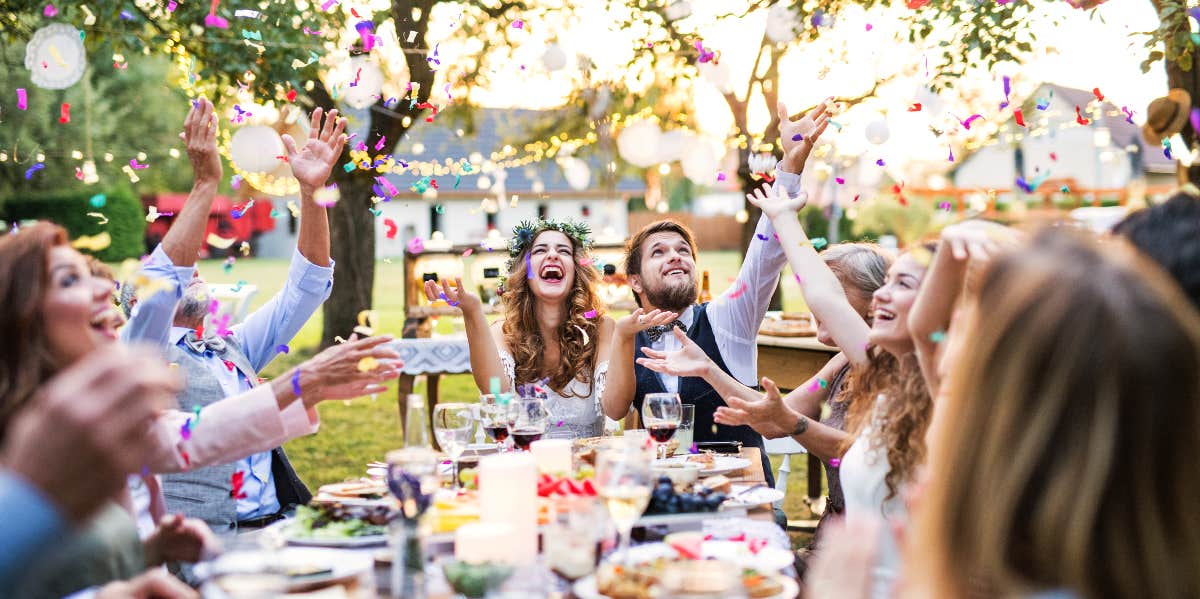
205	492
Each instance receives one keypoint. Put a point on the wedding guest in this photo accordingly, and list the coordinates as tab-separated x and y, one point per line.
1070	469
660	263
890	407
61	312
1169	234
554	328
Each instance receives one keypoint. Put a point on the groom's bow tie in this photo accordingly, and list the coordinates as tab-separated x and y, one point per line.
656	332
197	345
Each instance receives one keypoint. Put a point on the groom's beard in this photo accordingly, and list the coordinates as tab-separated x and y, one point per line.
672	298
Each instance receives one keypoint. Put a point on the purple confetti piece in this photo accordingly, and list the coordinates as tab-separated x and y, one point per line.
126	15
145	470
213	306
185	431
761	236
1194	117
21	99
559	424
693	449
296	383
797	137
528	267
840	181
835	462
283	348
33	169
880	162
1128	112
1194	13
366	31
1007	91
720	176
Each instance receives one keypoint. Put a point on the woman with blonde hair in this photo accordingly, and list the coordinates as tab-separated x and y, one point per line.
1070	466
554	332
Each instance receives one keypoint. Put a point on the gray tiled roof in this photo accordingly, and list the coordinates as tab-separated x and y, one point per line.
494	128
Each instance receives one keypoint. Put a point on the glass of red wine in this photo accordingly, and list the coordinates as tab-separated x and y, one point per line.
661	414
494	417
528	419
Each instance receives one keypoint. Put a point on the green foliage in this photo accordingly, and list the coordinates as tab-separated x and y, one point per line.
69	207
910	222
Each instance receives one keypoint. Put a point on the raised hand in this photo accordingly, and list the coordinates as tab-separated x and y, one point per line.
640	320
688	360
774	201
977	239
312	163
352	369
766	414
200	140
179	539
456	296
800	136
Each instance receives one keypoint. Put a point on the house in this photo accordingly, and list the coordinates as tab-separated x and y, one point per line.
1107	154
504	187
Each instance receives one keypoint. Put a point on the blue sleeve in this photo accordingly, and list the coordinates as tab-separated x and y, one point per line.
277	321
152	317
29	525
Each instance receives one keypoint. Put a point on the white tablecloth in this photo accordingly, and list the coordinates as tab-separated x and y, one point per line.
434	355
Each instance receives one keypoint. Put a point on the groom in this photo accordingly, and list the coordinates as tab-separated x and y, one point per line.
660	262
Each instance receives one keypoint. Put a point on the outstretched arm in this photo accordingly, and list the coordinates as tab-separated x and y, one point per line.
822	291
183	241
621	383
311	165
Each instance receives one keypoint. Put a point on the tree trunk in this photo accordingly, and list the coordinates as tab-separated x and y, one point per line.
352	233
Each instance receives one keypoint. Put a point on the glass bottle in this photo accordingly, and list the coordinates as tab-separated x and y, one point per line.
416	431
705	294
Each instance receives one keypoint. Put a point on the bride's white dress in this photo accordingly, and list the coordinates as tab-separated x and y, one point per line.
575	416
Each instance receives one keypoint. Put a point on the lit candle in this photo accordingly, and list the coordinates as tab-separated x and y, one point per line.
508	494
553	456
479	542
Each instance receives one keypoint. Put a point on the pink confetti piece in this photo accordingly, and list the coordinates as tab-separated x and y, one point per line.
171	6
590	314
840	181
382	141
308	31
870	26
415	245
22	99
50	12
739	291
328	5
468	252
134	163
720	176
528	267
518	24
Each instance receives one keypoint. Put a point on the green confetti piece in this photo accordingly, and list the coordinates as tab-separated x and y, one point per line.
494	386
440	209
98	200
349	166
1066	189
375	211
937	336
819	242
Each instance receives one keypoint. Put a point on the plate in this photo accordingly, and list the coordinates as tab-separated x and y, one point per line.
722	464
740	497
768	559
342	565
339	542
585	588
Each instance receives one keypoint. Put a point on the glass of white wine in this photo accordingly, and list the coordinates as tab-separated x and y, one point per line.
623	481
453	424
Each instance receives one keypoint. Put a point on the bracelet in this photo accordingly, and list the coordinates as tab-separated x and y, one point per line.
801	426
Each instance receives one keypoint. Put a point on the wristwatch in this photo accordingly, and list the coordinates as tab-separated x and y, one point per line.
801	426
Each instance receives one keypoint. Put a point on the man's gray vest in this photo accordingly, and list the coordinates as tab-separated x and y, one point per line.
205	492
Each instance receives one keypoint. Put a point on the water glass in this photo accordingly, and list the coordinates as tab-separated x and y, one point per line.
686	425
453	424
528	420
662	413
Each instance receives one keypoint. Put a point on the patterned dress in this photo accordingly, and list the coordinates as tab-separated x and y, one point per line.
576	415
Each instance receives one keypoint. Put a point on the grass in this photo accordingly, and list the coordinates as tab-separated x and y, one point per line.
356	432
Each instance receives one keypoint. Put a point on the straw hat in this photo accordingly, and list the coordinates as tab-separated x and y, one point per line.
1166	116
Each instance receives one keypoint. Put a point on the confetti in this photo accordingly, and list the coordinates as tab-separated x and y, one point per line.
1007	91
368	364
835	462
951	157
296	383
797	137
103	220
243	13
720	176
590	314
33	169
252	35
819	242
98	200
415	245
937	336
22	99
238	287
1079	118
221	243
50	11
367	320
468	252
185	431
739	291
212	20
93	243
971	119
916	107
391	228
134	165
1096	92
366	32
761	236
235	483
65	113
945	206
1043	104
283	348
1053	156
1020	118
1165	142
880	162
583	334
840	181
528	267
1065	189
518	24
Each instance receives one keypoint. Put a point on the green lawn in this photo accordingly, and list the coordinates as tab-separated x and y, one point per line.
356	432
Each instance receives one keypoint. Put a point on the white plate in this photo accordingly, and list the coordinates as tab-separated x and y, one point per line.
585	588
343	564
759	496
722	464
342	542
768	559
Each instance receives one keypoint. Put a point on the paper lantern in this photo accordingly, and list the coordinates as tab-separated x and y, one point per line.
55	57
877	131
700	161
638	143
681	9
718	75
554	59
762	163
781	24
670	145
369	86
577	172
254	149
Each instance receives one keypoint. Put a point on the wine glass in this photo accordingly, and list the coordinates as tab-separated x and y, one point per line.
453	424
494	417
623	482
662	413
527	421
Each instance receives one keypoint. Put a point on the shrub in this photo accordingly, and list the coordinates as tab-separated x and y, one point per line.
69	208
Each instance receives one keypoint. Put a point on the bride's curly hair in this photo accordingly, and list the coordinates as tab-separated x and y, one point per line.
576	336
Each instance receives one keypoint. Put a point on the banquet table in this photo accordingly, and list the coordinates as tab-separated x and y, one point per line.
432	357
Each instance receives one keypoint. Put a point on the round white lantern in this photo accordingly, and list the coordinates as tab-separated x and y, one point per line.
681	9
670	145
718	75
781	24
638	143
554	59
369	86
254	149
55	57
700	161
577	172
877	131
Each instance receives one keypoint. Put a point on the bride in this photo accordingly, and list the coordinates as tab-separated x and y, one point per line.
553	333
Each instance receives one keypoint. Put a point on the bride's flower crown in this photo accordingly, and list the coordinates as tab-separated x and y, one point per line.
524	233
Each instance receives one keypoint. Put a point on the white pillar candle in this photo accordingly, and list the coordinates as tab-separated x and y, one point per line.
553	456
479	542
508	494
